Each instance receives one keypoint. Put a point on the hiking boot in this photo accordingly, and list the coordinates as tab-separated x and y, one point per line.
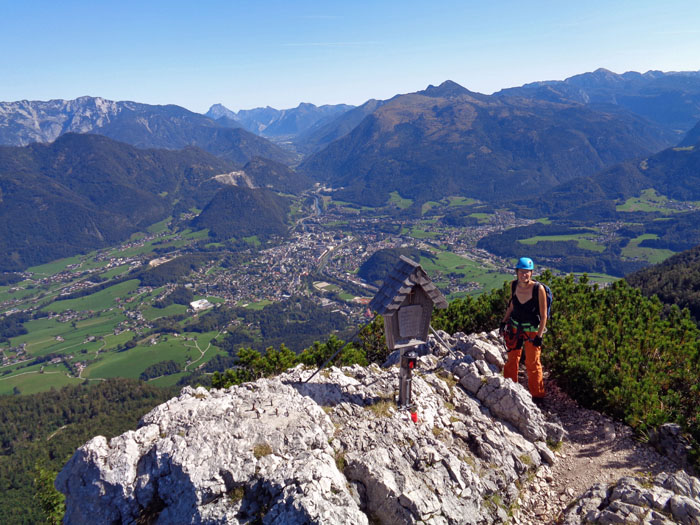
539	401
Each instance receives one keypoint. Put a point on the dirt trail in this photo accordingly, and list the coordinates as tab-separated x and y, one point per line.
598	450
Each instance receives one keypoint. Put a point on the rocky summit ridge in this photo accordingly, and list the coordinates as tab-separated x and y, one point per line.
336	450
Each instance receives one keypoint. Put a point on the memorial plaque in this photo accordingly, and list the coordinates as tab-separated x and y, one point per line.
410	318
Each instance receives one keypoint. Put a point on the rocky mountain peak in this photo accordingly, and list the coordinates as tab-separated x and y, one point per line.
336	450
447	89
217	111
600	76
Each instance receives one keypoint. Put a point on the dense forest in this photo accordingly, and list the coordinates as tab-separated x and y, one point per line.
296	322
244	212
676	281
40	432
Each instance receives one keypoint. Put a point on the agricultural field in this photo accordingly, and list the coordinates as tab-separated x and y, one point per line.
449	270
585	241
398	201
94	336
652	255
651	201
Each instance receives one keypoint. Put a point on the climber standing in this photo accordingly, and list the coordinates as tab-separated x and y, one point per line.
523	325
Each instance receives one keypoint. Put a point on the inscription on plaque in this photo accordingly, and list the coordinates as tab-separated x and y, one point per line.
410	320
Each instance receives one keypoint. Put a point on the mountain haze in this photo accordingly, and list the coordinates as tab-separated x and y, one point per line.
274	123
141	125
319	136
671	99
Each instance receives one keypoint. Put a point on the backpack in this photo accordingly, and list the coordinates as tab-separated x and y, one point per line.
536	295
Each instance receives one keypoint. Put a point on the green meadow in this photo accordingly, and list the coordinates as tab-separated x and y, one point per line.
451	263
482	217
256	306
43	334
33	382
168	347
54	267
584	241
648	201
652	255
461	201
398	201
97	301
150	313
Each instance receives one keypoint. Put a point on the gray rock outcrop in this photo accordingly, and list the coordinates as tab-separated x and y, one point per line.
668	499
337	450
334	450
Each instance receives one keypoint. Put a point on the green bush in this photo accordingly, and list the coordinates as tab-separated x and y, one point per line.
610	348
613	350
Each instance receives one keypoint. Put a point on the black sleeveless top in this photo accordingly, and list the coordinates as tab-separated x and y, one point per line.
526	314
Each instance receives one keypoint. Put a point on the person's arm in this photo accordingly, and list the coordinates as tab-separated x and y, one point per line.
543	311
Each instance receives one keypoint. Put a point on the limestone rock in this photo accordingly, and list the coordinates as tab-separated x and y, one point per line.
333	450
666	500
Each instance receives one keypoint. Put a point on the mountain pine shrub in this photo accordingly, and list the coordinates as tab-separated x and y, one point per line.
610	348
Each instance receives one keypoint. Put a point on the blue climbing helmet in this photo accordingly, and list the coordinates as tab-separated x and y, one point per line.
525	263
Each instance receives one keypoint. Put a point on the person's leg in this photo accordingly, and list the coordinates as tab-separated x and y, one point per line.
535	379
510	371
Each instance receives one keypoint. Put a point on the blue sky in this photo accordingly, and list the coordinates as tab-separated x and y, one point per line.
247	54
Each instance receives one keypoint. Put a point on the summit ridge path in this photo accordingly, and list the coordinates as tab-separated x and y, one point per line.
597	450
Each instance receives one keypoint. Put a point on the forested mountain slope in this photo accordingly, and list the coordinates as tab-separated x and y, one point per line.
87	191
676	281
244	212
43	431
447	140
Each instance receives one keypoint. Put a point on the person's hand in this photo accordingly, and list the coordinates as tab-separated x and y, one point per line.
537	341
502	328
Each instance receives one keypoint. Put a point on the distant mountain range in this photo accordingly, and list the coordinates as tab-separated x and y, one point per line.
446	140
278	124
568	150
671	100
141	125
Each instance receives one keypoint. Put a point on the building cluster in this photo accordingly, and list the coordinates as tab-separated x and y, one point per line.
328	247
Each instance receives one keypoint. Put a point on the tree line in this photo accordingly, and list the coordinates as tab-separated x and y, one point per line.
40	432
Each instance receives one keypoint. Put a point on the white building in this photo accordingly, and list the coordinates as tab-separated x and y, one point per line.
200	305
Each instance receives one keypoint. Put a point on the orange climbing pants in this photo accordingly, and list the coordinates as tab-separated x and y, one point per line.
535	381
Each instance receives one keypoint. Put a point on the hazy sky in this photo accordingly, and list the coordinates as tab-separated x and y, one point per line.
246	54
